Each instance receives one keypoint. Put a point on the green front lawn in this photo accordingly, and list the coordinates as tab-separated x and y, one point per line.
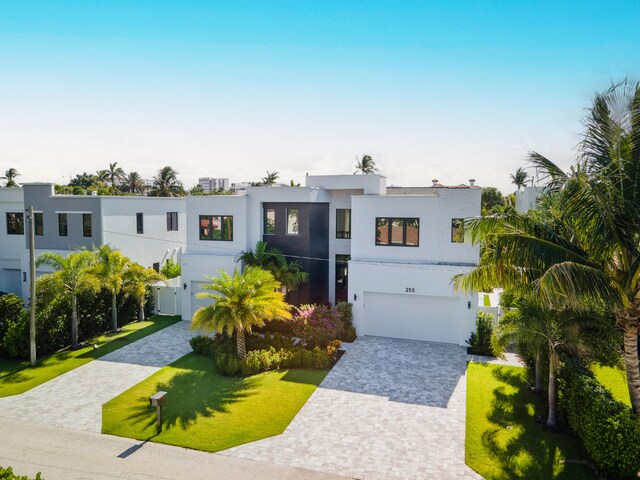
615	380
206	411
503	440
17	376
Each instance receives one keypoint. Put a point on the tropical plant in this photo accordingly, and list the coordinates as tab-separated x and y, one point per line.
84	180
111	267
116	175
270	179
10	175
134	183
491	198
136	280
519	179
171	269
365	165
166	183
288	272
102	176
73	275
240	302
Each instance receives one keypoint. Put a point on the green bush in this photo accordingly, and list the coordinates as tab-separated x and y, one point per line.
480	340
171	269
7	474
11	308
608	428
345	312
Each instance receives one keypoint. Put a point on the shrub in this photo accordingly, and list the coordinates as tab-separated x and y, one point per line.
7	474
11	307
171	269
480	340
317	325
608	428
345	312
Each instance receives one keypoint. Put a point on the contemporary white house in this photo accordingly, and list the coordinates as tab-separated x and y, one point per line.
12	239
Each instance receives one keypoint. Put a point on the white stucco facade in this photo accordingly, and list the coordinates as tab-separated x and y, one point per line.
12	245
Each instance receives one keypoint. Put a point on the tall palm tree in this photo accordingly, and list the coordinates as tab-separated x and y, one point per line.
519	179
73	276
270	179
591	252
102	176
136	279
10	175
134	183
365	165
288	272
116	174
240	302
111	267
166	183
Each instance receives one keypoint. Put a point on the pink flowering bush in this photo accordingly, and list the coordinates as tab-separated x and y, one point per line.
317	325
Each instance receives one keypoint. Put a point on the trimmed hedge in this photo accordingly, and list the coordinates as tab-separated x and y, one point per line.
7	474
226	363
608	428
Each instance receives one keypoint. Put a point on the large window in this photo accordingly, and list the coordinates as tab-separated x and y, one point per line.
172	221
292	221
62	224
87	228
400	232
457	230
343	223
269	221
39	224
15	223
216	227
139	223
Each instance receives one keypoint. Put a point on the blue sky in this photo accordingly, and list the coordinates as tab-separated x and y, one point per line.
447	90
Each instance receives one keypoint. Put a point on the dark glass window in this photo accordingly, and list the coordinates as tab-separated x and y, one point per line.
216	227
342	278
139	223
172	221
292	221
343	223
269	221
62	224
15	223
39	224
87	228
457	230
400	232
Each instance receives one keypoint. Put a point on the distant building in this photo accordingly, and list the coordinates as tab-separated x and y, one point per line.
210	184
240	188
527	198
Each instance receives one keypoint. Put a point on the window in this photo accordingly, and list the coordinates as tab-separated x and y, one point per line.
15	223
216	227
39	223
87	230
457	230
172	221
343	223
292	221
62	224
342	278
269	221
139	223
156	266
400	232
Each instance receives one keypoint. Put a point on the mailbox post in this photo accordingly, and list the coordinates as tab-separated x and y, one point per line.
156	400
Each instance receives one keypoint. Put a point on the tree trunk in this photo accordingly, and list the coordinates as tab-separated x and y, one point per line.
632	368
141	312
538	372
553	396
114	312
74	322
242	351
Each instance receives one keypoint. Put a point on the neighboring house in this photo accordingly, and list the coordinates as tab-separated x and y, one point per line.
210	184
527	198
148	230
11	239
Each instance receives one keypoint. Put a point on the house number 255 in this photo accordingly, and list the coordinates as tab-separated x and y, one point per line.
409	290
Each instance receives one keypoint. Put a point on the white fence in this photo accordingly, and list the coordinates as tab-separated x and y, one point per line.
168	297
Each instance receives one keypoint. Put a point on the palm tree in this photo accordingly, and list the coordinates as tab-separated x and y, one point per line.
591	252
111	267
270	179
365	165
519	179
134	183
102	176
166	183
10	175
240	302
116	174
288	272
73	276
136	279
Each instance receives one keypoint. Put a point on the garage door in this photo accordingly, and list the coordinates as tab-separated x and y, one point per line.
415	317
196	302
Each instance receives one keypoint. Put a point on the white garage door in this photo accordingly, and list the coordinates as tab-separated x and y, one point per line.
196	302
415	317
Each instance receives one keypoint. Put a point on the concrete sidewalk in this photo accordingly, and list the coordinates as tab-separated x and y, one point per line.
64	454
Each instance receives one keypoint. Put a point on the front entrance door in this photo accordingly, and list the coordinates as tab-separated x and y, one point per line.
342	277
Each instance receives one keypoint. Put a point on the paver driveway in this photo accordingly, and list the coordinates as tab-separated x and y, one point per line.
390	409
75	399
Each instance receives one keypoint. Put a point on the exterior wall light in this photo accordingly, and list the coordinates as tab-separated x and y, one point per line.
355	297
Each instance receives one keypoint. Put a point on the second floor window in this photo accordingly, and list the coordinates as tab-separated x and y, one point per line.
139	223
216	227
172	221
62	224
399	232
457	230
269	221
15	223
87	228
39	224
343	223
292	221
